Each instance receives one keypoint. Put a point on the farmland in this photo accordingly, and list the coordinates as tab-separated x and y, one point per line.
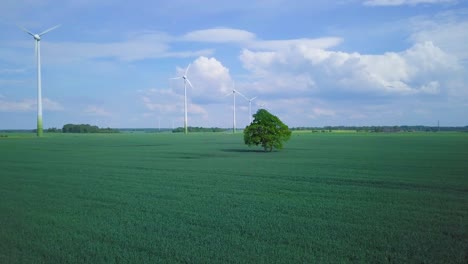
147	198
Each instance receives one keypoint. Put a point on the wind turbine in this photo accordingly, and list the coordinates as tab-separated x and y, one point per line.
186	80
262	105
250	107
37	38
234	92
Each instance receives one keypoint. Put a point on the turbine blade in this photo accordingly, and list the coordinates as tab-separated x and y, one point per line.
48	30
228	94
242	95
253	98
25	30
175	78
186	70
188	81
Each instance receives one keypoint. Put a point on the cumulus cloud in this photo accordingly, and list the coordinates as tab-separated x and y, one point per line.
304	69
209	77
446	30
318	43
405	2
211	81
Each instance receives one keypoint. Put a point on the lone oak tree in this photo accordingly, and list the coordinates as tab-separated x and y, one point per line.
266	130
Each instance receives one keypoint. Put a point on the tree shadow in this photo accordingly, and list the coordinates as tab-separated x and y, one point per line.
244	150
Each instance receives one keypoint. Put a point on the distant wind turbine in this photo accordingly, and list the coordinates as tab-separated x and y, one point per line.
186	80
37	38
234	92
250	106
263	106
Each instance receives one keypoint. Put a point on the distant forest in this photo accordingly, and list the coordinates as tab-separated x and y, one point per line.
385	129
82	128
85	128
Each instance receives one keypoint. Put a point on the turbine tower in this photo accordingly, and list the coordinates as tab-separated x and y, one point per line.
37	38
250	106
186	80
234	92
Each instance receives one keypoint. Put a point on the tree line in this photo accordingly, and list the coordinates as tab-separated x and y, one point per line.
82	128
198	129
386	129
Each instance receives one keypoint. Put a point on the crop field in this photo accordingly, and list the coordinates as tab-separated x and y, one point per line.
208	198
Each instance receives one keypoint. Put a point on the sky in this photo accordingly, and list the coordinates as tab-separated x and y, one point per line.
311	63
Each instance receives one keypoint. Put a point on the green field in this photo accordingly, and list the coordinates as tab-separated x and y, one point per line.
207	198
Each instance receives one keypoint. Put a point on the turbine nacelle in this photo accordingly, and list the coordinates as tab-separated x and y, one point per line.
37	37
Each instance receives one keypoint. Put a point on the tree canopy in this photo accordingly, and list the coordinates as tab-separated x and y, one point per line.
86	128
266	130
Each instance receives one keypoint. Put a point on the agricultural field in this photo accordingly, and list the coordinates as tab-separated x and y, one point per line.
208	198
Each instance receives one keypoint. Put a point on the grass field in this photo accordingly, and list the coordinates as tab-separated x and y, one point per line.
207	198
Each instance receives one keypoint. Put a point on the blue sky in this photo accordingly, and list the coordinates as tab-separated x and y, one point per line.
312	63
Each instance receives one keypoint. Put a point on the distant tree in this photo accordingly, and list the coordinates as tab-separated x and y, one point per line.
53	130
266	130
86	128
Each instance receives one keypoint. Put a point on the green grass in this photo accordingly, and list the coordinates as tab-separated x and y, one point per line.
149	198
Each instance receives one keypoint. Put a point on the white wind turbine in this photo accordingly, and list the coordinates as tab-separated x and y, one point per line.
37	38
186	80
234	92
250	107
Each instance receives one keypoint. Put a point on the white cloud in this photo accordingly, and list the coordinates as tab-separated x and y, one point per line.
318	43
220	35
147	45
405	2
154	45
447	31
249	40
308	70
210	80
28	105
